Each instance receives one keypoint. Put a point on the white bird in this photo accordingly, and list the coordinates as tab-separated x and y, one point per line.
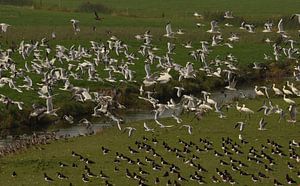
189	127
169	32
3	27
130	130
288	100
53	35
262	124
256	66
258	92
49	104
19	104
210	101
178	120
179	91
228	15
163	126
147	70
69	118
231	85
280	27
293	113
213	27
197	15
268	27
286	91
164	77
75	24
240	124
277	91
246	110
147	129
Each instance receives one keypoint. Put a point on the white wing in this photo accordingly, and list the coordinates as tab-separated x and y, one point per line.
280	26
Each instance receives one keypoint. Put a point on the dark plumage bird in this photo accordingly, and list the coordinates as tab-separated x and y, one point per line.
290	180
277	183
84	178
97	17
156	181
107	183
105	150
103	176
62	164
14	174
61	176
47	178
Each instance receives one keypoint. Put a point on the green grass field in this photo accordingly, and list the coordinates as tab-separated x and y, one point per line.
125	19
32	163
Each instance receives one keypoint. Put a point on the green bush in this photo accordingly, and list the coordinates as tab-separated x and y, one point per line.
93	7
17	2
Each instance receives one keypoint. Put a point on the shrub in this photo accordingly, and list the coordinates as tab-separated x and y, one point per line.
93	7
17	2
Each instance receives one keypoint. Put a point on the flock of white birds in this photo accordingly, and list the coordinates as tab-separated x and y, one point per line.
60	65
47	71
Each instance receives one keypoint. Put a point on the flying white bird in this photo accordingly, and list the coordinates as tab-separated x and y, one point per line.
130	130
213	27
280	27
3	27
147	129
69	118
169	32
240	124
262	124
75	24
163	126
189	127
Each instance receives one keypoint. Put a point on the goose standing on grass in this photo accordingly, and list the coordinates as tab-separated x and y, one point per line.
288	100
246	110
277	91
258	92
286	91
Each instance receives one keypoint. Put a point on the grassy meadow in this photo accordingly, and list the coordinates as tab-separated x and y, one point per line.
125	19
33	162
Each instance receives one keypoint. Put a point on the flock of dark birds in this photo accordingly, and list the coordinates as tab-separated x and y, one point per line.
182	164
159	162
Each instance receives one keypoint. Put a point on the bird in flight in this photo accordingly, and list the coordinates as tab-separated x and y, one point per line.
97	17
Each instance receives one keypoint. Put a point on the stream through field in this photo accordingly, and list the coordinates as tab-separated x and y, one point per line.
77	130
